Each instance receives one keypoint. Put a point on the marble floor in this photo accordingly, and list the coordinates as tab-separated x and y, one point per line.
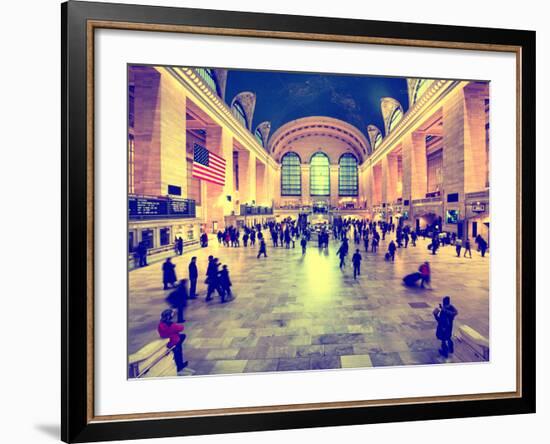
294	312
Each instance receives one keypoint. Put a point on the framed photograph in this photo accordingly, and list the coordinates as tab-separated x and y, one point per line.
276	221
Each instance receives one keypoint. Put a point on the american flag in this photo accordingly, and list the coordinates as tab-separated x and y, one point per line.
208	166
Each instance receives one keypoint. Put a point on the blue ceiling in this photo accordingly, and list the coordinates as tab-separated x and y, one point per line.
285	96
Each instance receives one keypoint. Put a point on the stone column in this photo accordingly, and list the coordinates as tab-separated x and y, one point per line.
475	154
334	195
276	184
147	139
389	178
247	177
414	163
261	184
306	198
453	144
159	132
377	184
173	135
219	141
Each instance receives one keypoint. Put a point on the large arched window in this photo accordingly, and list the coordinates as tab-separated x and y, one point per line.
209	77
239	113
348	180
319	175
259	137
291	177
395	119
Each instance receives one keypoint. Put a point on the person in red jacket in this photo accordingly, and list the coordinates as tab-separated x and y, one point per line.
169	329
425	274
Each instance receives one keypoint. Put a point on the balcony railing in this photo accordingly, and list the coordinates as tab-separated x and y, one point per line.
478	195
247	210
427	200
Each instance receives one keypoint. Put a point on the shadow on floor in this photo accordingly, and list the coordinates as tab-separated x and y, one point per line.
51	430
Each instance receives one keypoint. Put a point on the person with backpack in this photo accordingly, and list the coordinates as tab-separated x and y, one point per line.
445	315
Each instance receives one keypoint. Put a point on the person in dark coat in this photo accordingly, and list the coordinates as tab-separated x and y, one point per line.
435	243
356	259
179	243
303	243
225	284
168	274
414	236
263	248
142	254
193	277
168	329
211	277
444	315
343	252
458	246
391	250
177	299
482	244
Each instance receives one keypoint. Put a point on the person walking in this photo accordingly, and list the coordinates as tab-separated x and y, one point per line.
458	246
177	299
193	278
168	274
303	243
168	329
467	248
356	259
142	254
414	236
212	279
263	249
366	242
391	250
482	244
225	284
342	253
425	274
444	315
435	243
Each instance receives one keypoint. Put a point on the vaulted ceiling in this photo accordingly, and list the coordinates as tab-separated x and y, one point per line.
283	96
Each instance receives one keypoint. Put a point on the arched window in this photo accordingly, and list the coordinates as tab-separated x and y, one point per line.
420	88
209	77
291	175
319	175
259	137
377	141
348	179
238	112
395	118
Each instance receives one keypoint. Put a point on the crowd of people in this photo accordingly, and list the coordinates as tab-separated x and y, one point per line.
285	235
